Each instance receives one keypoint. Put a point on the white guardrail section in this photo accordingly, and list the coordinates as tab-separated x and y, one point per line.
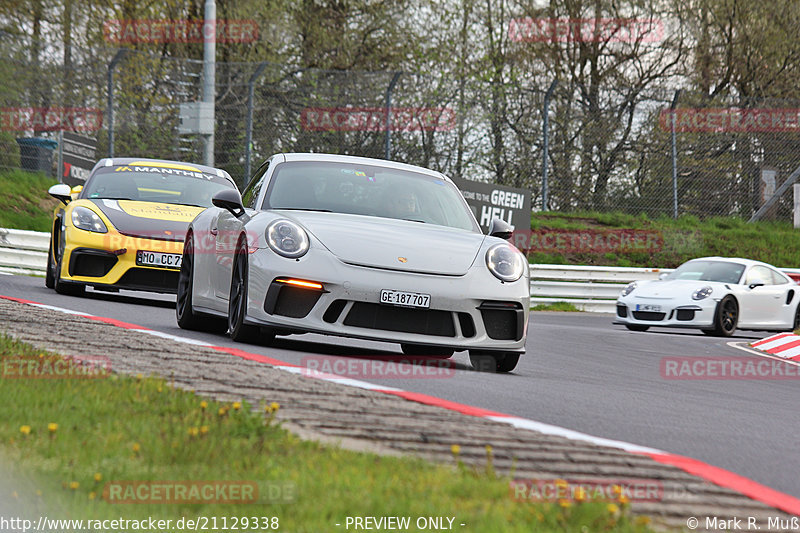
23	252
589	288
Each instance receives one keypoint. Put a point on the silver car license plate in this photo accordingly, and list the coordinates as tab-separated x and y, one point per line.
158	259
648	307
405	299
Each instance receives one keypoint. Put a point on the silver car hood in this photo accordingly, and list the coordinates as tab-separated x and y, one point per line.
392	244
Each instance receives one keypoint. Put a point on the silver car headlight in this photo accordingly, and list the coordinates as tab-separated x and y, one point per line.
505	262
86	219
628	289
287	238
702	294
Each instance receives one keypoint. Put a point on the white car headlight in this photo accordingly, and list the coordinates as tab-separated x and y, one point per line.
287	238
86	219
628	289
505	262
702	294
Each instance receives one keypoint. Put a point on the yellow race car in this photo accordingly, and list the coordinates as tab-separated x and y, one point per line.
125	228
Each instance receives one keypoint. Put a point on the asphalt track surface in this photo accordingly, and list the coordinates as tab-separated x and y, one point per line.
580	372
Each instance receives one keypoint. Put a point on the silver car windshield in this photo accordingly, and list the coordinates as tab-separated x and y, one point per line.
720	271
368	190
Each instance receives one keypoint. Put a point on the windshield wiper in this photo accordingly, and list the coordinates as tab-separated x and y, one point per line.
190	205
108	198
413	220
302	209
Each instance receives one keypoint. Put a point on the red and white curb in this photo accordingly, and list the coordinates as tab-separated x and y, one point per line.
713	474
784	345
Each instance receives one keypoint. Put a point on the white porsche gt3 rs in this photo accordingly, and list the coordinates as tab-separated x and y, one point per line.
714	294
360	248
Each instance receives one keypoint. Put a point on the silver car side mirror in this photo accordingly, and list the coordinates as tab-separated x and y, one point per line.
500	228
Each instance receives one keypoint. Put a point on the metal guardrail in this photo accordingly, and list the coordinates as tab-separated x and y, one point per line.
23	252
589	288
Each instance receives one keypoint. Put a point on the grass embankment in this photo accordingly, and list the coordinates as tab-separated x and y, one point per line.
72	437
680	240
556	306
687	237
29	206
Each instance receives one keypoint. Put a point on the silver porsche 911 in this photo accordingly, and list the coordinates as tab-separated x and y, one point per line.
360	248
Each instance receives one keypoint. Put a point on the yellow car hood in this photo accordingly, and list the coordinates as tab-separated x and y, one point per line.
150	220
156	211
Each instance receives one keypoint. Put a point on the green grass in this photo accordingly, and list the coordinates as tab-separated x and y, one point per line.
29	206
557	306
681	239
120	428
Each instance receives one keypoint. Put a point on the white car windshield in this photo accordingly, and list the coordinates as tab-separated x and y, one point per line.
721	271
368	190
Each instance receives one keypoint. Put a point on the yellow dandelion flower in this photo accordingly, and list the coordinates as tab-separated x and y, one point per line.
98	477
580	494
561	483
25	430
623	499
203	430
612	508
193	432
222	411
73	485
159	389
616	489
139	377
52	427
136	447
564	503
455	449
489	449
275	406
237	406
203	405
92	495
